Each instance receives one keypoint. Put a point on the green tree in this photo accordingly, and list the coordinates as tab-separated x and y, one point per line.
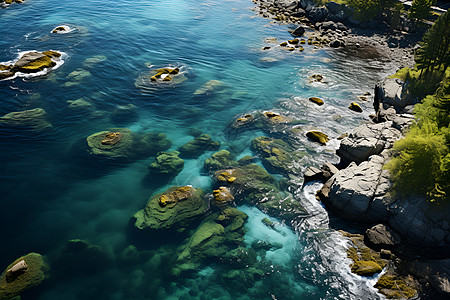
420	9
435	47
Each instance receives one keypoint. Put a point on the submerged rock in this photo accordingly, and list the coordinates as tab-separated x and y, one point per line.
93	60
24	273
277	154
220	160
79	104
35	119
212	86
125	113
222	196
122	143
215	238
167	164
197	146
76	77
175	209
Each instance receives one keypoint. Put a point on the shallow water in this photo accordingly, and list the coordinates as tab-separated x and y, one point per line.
52	192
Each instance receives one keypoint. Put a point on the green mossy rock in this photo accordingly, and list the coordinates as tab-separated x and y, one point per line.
394	287
35	119
167	164
318	137
220	160
122	143
366	268
246	160
355	107
175	209
33	62
197	146
276	154
35	270
316	100
218	234
252	184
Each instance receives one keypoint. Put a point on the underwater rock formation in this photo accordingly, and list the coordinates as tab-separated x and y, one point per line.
222	196
35	119
175	209
122	143
251	184
277	154
24	273
167	164
220	160
76	77
212	86
197	146
213	239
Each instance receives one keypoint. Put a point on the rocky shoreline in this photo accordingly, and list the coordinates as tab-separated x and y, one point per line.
411	234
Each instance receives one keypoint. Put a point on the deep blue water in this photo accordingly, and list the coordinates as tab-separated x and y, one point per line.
52	192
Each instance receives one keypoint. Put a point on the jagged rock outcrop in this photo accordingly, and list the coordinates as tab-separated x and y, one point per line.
390	92
360	192
367	140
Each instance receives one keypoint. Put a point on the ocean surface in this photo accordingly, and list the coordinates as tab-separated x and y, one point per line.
51	191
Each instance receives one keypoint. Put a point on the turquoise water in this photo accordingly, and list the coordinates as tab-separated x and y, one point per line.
52	192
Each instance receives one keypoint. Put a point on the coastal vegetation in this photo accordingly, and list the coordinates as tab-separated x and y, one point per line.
422	165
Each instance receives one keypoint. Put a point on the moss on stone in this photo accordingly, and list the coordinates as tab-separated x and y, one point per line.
220	160
355	107
316	100
35	272
175	209
33	62
197	146
294	41
283	44
167	164
318	137
52	54
365	268
394	287
276	154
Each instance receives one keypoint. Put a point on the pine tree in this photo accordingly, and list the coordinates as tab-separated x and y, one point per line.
420	9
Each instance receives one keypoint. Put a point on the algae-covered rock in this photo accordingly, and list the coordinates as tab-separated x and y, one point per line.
252	184
219	160
366	262
222	196
93	60
355	107
122	143
214	238
175	209
24	273
197	146
35	119
33	62
125	113
79	104
277	154
395	287
365	268
316	78
76	77
276	118
316	100
167	164
318	137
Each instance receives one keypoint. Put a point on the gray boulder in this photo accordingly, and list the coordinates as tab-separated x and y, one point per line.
360	192
367	140
390	92
317	14
420	222
382	237
333	7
